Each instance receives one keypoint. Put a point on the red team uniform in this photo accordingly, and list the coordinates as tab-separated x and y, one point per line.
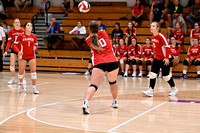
179	35
13	34
27	45
107	54
195	34
194	52
132	52
175	52
122	52
147	52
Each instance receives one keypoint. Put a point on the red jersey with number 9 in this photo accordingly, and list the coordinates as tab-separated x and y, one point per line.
106	55
13	34
27	45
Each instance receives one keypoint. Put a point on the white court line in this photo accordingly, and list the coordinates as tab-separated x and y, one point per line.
136	117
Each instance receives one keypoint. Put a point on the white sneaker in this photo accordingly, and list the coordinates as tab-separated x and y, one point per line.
12	81
35	91
125	74
24	81
170	74
140	75
23	89
85	108
114	104
148	92
148	75
160	75
134	74
87	73
173	91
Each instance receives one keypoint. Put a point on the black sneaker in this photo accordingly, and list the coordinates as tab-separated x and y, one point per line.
184	76
122	73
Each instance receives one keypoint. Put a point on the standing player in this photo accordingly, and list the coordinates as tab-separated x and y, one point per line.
104	60
12	37
161	60
147	54
27	54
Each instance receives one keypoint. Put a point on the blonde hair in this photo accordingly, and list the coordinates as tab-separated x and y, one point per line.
158	25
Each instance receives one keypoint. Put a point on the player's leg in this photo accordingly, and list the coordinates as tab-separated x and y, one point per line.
32	65
134	62
186	63
197	64
22	66
140	62
122	62
127	67
13	58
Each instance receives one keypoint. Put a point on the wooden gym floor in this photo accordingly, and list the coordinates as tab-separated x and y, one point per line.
58	106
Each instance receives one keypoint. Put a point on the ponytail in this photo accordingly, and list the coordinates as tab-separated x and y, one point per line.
95	42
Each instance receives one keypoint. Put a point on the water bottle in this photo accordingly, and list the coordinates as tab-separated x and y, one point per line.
52	30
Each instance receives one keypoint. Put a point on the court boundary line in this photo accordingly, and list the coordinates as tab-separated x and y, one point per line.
114	128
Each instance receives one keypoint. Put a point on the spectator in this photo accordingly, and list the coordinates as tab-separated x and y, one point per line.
157	12
175	10
195	33
137	11
175	50
178	34
194	13
7	3
53	41
102	26
2	12
193	58
2	42
147	54
65	5
78	40
122	52
130	32
42	6
134	53
21	2
117	34
6	28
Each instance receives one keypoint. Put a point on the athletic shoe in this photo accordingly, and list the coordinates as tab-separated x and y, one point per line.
35	91
122	73
184	76
173	91
148	92
24	81
140	75
134	74
23	88
114	104
148	75
125	74
170	74
85	108
87	73
12	81
160	75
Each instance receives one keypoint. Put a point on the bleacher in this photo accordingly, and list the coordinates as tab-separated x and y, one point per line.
68	59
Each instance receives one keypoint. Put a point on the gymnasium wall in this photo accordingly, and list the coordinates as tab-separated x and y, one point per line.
57	2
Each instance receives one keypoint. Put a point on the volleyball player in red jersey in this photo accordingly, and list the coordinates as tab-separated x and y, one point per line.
122	52
130	32
161	60
179	34
193	58
195	33
147	54
13	34
175	51
28	42
134	53
104	60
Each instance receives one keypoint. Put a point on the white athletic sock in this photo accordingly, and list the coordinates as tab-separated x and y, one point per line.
34	86
198	72
184	71
140	71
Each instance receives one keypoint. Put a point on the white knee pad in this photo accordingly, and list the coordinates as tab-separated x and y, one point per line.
121	61
12	68
33	75
20	76
167	78
152	75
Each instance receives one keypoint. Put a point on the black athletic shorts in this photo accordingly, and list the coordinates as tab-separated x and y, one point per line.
157	64
14	52
27	59
107	66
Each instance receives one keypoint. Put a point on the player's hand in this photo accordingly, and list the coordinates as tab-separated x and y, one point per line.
5	54
34	48
166	61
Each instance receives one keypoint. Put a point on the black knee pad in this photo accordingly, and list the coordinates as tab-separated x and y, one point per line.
92	85
148	63
197	63
128	62
185	62
171	64
111	83
133	62
90	61
140	63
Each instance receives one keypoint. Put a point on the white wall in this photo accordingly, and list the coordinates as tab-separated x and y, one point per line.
57	2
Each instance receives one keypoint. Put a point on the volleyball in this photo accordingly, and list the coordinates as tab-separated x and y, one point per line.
84	6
